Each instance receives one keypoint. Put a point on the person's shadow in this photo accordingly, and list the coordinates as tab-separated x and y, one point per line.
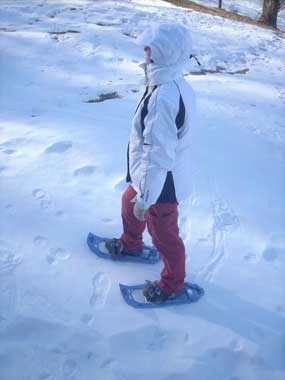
254	323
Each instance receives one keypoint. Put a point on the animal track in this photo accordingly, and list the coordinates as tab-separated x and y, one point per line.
85	171
59	147
101	286
108	363
57	254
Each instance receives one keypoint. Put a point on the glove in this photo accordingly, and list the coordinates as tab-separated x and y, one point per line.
139	213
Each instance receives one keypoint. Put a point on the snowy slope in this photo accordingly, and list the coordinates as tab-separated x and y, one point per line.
62	165
251	8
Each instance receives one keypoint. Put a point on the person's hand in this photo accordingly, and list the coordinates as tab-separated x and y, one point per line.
139	213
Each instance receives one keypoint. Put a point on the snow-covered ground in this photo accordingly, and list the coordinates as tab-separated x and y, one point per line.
63	160
251	8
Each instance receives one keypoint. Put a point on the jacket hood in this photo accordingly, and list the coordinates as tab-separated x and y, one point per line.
171	46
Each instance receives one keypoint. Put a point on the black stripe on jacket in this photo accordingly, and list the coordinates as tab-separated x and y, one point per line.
168	194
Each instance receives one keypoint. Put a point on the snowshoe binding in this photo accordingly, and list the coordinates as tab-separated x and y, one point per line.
112	249
153	293
115	247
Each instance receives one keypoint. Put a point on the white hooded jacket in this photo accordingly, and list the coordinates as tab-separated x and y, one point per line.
159	165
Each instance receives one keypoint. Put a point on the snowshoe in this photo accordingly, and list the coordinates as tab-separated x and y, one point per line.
136	295
112	249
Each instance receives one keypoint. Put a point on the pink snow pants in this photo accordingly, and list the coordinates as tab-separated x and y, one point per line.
162	224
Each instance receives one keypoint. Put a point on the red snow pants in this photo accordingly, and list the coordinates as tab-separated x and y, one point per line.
162	224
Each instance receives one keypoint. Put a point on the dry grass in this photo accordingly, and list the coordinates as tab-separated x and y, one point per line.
217	70
103	97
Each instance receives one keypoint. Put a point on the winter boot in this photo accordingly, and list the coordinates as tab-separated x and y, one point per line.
115	247
153	293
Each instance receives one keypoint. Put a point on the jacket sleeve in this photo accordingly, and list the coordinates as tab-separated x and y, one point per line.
158	151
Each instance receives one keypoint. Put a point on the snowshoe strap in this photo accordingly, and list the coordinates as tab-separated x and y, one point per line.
114	246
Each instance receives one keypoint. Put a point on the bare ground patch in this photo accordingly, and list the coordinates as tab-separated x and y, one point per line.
103	97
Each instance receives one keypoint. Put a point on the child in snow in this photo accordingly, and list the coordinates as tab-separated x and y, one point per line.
158	158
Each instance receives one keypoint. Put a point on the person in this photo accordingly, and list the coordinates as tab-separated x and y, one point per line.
158	158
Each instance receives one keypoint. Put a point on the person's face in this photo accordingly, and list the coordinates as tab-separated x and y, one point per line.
147	55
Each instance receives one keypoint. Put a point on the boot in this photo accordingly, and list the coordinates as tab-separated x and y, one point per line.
115	247
153	293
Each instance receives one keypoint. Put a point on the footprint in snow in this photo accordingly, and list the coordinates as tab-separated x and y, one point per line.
42	197
9	260
107	220
40	241
39	194
70	369
60	214
85	171
272	253
148	338
9	146
251	258
45	204
57	254
45	376
101	285
8	296
9	151
3	169
108	363
59	147
257	333
86	318
10	209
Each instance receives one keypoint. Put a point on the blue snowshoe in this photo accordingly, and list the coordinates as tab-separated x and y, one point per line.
149	295
112	249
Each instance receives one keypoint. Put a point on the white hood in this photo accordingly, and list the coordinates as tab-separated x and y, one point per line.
171	46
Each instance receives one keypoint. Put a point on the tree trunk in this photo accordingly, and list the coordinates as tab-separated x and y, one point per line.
270	12
220	4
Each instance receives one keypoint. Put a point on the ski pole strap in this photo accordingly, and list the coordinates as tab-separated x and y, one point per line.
195	57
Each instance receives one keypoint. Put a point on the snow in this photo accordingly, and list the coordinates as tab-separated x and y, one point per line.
250	8
62	168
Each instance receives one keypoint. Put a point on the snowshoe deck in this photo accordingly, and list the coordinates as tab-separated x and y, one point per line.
150	255
133	296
